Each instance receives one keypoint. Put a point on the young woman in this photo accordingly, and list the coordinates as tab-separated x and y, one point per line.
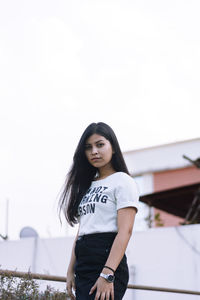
100	195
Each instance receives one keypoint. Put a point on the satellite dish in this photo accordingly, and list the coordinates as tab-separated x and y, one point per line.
27	232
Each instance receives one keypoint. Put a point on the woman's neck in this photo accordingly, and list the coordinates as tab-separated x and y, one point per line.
104	172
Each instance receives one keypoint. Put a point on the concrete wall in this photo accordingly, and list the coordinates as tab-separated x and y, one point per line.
165	257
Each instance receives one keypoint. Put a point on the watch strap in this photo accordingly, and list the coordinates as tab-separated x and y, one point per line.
108	277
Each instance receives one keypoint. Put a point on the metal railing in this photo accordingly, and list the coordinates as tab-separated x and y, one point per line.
63	279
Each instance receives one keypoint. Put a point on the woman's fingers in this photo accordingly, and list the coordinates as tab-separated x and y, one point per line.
93	288
97	296
107	296
103	292
73	286
69	290
112	294
103	295
71	295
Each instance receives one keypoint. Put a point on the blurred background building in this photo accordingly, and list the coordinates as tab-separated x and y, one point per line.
167	179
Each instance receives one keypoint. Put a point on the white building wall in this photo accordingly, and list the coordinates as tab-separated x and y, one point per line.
162	257
166	257
164	157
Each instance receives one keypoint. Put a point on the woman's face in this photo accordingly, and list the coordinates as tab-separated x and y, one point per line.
98	151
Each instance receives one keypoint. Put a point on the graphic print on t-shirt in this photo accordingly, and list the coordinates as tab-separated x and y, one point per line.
93	195
99	206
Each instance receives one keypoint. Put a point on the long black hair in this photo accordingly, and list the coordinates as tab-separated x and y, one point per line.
82	172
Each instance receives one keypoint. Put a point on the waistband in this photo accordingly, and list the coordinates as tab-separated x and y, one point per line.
103	235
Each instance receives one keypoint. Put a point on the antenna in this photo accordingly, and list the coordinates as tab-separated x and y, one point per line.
195	162
7	217
5	237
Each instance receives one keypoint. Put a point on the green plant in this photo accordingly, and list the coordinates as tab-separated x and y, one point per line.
154	219
26	288
158	221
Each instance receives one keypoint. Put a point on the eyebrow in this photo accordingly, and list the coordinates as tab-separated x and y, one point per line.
95	142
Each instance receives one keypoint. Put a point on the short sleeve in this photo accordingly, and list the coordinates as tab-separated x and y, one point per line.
127	193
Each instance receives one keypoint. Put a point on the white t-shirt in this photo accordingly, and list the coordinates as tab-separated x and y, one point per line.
97	211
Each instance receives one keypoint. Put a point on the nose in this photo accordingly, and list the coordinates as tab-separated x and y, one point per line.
94	150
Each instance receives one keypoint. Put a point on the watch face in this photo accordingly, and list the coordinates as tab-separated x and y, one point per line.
110	278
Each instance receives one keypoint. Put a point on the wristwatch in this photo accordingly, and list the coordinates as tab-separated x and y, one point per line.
109	277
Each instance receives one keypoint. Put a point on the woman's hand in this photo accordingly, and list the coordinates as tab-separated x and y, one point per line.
71	285
104	289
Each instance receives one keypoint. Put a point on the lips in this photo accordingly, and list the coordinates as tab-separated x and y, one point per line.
95	158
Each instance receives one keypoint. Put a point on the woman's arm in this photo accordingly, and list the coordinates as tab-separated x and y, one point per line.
70	272
125	219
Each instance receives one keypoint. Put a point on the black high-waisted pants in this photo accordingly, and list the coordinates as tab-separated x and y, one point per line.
91	254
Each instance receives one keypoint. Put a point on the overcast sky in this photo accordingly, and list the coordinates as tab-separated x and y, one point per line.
65	64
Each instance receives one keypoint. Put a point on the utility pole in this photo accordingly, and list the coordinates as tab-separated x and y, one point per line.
5	237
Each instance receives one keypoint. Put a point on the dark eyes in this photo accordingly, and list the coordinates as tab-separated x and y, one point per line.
99	145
